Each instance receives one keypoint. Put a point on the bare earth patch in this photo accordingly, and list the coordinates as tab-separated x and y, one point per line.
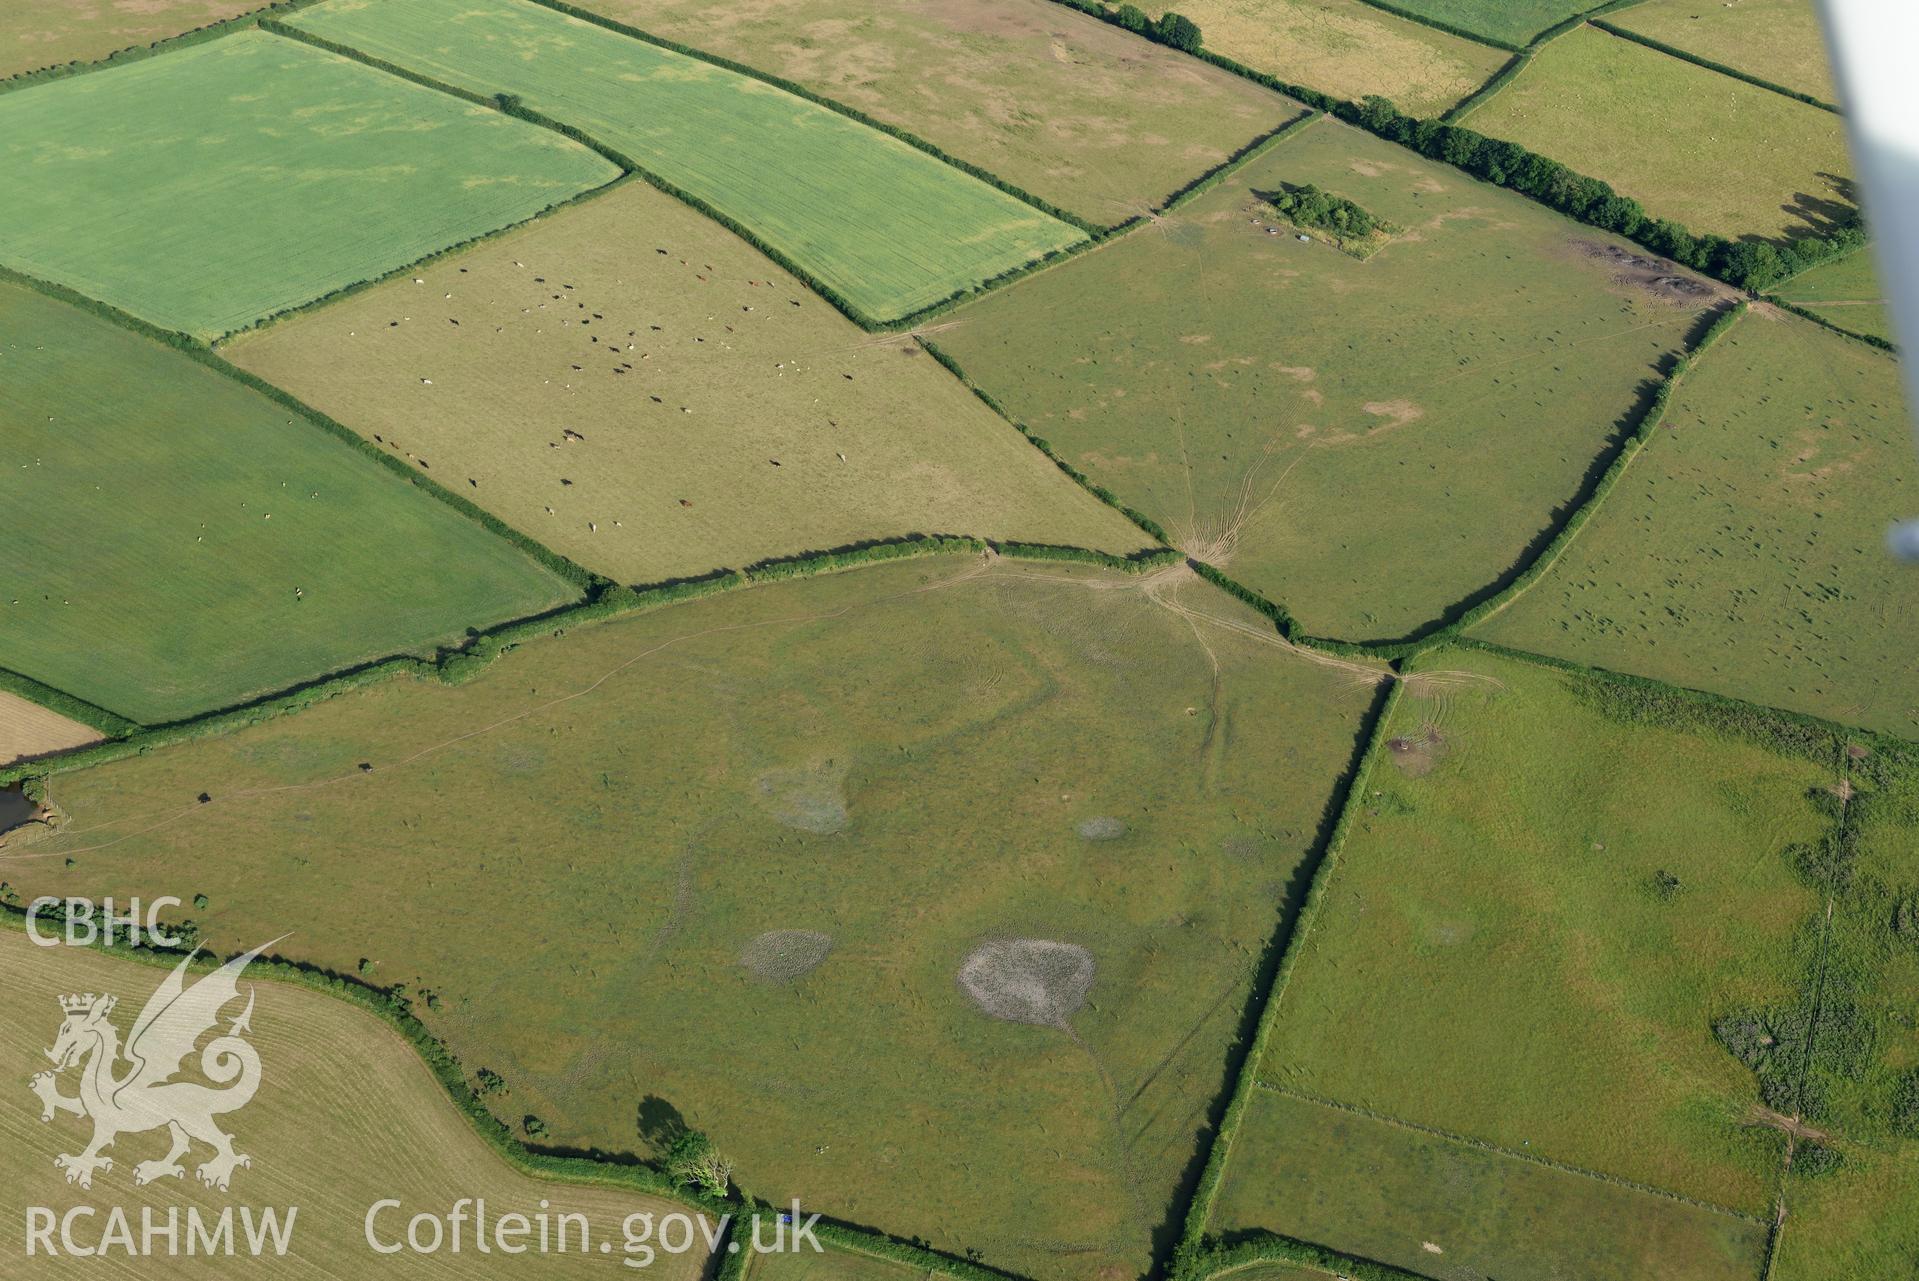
1038	981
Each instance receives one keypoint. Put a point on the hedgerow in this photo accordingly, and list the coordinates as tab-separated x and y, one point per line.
1871	340
138	53
1750	265
1192	1259
1273	1248
1710	65
112	724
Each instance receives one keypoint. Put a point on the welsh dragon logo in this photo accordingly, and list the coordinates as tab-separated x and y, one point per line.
143	1094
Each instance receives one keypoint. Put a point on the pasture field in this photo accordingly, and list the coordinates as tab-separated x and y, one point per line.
1734	159
1743	550
771	857
1516	22
178	543
1537	917
1318	426
1349	49
345	1116
1444	1208
834	1265
1848	293
1080	113
1776	40
644	392
888	227
28	729
223	182
45	33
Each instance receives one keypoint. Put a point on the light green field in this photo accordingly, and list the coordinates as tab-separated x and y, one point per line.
346	1115
1215	378
657	415
1516	22
1449	1209
885	225
1744	549
1847	292
572	851
1076	111
44	33
227	181
1347	48
1715	153
1776	40
1494	955
177	543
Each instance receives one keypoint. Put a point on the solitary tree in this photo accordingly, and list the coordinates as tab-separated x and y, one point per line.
693	1160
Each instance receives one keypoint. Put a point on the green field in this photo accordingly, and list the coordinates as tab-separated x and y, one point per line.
888	227
1847	293
644	392
346	1115
1775	40
1347	48
1744	550
1516	22
177	543
226	181
897	758
1715	153
834	1265
1861	1078
1534	922
1448	1209
1217	379
1077	112
44	33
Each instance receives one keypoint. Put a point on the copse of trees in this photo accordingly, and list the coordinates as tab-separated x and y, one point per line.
1308	206
1173	29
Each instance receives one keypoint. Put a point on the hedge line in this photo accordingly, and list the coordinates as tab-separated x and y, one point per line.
1220	172
1105	495
112	724
1748	265
1440	24
1710	65
139	53
1871	340
1641	433
189	345
1189	1257
1501	78
455	666
1271	1247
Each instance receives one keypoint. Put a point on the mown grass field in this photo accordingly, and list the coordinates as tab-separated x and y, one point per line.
641	390
28	729
45	33
1513	21
1715	153
1349	49
345	1116
1537	917
1849	293
1744	549
1448	1209
1217	380
226	181
1776	40
885	225
1078	112
177	543
574	851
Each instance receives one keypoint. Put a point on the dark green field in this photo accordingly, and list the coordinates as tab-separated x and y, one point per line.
178	543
